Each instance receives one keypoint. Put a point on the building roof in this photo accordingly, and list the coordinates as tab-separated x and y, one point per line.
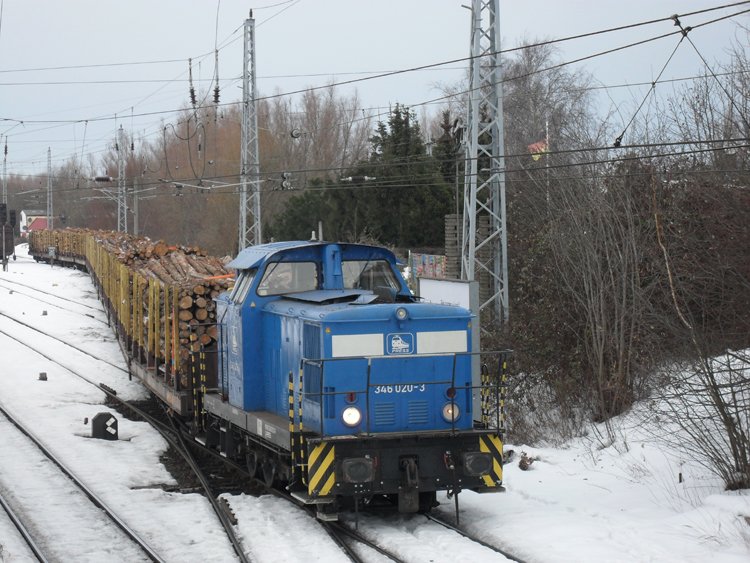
38	224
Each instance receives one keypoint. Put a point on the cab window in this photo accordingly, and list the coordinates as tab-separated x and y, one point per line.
241	287
288	277
369	275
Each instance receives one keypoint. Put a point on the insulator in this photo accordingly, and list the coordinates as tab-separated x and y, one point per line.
132	146
192	96
216	95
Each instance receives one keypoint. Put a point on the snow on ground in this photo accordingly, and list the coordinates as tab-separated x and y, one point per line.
594	500
58	505
126	474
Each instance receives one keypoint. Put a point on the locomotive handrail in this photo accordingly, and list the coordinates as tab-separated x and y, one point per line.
496	387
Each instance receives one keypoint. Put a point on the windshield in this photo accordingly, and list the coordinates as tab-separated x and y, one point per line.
369	275
289	277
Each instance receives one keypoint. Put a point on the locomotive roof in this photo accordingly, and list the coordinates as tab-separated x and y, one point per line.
253	256
347	311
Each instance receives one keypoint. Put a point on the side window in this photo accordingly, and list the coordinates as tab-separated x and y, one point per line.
280	278
240	289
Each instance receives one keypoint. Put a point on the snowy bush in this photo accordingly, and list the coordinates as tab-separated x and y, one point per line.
710	402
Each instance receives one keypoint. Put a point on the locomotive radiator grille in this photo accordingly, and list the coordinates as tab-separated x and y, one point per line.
419	412
385	414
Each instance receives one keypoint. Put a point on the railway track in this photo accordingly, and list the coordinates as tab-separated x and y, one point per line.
28	295
58	339
128	532
6	281
343	535
26	535
473	538
169	433
340	531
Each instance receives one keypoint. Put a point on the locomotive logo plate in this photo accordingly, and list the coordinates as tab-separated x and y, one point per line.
400	343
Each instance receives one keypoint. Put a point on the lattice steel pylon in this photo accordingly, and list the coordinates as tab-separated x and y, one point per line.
50	210
250	229
5	172
484	180
122	206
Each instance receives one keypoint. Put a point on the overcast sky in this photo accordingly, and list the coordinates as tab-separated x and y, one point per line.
299	43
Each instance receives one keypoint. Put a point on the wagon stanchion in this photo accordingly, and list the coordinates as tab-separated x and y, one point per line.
202	370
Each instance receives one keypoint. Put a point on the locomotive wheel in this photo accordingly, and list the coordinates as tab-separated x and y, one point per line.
268	469
251	462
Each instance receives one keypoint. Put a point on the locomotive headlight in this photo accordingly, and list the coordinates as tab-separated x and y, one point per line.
351	416
401	314
451	412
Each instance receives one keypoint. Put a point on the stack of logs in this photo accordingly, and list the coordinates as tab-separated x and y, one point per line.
199	279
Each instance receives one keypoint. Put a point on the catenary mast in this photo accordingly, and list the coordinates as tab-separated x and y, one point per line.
122	218
484	251
50	211
250	227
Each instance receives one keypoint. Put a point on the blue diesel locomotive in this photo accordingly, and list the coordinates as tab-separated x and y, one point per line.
334	380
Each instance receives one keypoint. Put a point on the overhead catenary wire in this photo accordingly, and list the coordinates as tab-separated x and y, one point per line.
467	59
618	140
437	100
710	70
455	94
409	181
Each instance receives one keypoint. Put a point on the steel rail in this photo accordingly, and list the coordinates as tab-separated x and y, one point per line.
101	310
220	513
28	538
468	536
171	435
337	536
340	528
98	502
68	309
48	335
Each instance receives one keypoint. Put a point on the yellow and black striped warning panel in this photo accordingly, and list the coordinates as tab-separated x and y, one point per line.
321	476
491	444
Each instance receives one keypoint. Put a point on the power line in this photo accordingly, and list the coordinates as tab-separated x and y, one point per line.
407	180
437	100
463	59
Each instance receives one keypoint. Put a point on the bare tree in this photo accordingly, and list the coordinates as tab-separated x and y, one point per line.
703	234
